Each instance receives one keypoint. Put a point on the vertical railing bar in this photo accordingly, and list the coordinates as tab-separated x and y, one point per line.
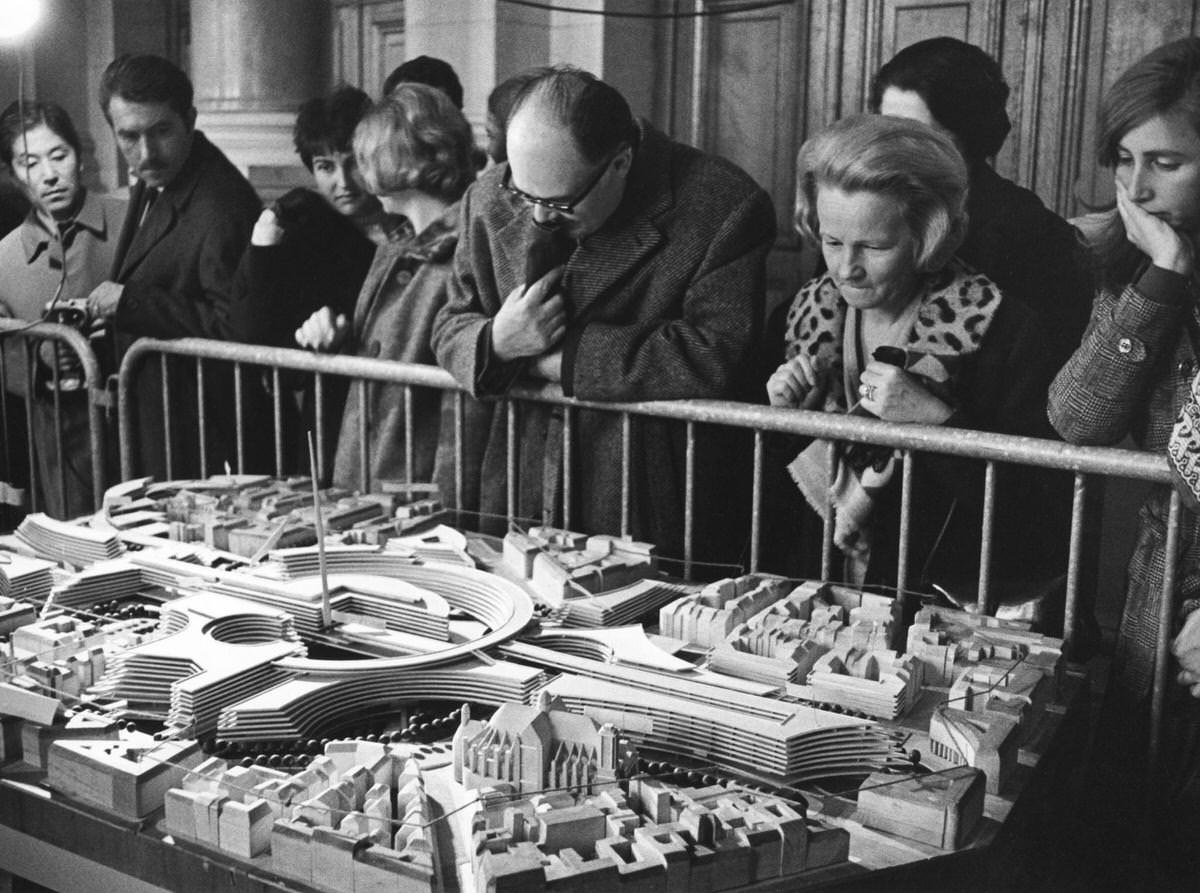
985	536
319	421
201	416
460	453
830	520
97	439
364	451
689	500
408	434
756	501
60	458
511	461
238	407
166	402
1166	610
906	488
4	432
277	417
626	470
1074	561
31	449
567	436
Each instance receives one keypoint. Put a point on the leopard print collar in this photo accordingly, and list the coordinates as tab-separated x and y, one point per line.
957	308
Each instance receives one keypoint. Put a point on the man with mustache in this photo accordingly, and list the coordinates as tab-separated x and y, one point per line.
650	286
190	216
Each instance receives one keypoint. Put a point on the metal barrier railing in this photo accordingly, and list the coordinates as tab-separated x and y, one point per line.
990	448
53	400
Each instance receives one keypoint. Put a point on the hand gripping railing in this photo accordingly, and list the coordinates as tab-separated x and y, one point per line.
988	447
30	335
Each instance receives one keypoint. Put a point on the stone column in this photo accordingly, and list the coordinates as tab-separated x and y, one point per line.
253	62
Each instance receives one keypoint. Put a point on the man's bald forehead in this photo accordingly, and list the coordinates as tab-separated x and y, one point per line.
539	120
594	113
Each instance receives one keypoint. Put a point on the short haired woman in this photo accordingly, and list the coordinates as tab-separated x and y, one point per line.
310	248
414	150
899	329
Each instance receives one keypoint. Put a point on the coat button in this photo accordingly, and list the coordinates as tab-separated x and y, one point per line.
375	349
1125	345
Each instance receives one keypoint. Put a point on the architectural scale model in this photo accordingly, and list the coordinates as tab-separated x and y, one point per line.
986	741
878	683
946	641
588	751
560	564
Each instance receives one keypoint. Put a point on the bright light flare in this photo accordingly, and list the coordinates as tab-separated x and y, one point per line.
17	17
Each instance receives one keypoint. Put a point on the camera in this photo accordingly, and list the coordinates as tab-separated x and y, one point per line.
68	313
71	313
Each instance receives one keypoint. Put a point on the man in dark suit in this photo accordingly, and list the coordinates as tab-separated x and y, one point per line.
655	290
190	216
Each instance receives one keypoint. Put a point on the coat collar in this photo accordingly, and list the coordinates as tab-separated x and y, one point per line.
623	242
957	306
36	238
435	243
167	209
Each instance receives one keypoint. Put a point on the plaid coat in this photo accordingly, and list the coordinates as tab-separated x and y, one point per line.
665	301
1130	376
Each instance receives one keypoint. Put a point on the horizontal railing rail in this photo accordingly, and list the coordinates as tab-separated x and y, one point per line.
987	447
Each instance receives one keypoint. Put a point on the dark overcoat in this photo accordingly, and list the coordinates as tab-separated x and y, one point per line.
665	302
177	268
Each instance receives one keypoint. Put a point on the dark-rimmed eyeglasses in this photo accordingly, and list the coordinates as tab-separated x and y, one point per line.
567	207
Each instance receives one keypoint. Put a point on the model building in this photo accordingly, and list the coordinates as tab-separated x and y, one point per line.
525	730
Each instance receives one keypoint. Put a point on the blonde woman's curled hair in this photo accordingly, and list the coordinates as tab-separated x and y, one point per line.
915	165
415	139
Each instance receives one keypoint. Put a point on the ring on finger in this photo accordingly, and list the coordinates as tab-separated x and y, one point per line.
867	391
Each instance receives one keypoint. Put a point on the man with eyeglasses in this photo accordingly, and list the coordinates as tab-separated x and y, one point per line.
656	293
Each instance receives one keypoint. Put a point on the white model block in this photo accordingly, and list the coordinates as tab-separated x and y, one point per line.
333	857
292	850
827	845
377	806
36	739
360	780
569	871
207	810
634	868
246	828
180	813
326	809
238	783
280	795
348	754
115	776
206	777
378	869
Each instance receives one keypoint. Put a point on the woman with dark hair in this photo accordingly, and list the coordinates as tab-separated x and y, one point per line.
1030	252
312	247
309	249
899	329
415	152
48	266
1131	375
